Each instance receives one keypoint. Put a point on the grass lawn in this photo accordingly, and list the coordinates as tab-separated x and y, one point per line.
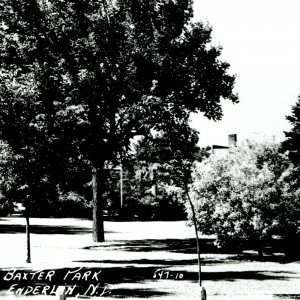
139	260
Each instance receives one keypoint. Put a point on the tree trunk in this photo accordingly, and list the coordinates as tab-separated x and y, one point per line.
98	220
28	258
260	249
197	237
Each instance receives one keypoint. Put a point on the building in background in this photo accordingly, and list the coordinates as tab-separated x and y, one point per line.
224	150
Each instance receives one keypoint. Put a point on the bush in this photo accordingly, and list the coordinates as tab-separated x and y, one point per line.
6	207
73	205
167	205
246	197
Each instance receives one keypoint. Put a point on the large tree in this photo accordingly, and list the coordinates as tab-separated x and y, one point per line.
292	140
82	77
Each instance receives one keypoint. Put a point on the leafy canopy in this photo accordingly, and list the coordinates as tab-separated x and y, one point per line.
85	76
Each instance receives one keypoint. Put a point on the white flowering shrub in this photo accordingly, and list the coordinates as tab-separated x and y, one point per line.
247	196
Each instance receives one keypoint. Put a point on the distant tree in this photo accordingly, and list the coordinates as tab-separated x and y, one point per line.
247	196
292	140
83	77
7	179
160	164
173	150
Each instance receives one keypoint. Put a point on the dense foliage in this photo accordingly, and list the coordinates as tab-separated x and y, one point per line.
246	197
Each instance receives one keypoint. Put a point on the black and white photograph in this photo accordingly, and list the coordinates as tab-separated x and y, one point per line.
150	149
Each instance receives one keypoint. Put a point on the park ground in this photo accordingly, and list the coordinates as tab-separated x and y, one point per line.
143	260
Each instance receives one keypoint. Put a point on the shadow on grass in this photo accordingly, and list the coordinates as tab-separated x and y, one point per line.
153	262
185	246
156	262
287	297
188	246
278	258
137	293
43	229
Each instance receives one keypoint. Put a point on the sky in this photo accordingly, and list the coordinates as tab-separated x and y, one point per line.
261	42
